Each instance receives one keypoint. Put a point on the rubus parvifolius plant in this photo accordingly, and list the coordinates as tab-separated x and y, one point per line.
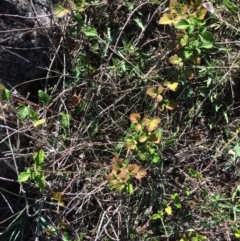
144	137
122	175
192	37
157	93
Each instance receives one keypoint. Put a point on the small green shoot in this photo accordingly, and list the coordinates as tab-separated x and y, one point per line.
195	174
176	200
65	120
43	97
35	173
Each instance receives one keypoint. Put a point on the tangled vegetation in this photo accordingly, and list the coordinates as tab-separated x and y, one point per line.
138	137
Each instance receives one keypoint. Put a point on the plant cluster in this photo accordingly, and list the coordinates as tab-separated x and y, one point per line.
193	36
122	175
144	137
139	137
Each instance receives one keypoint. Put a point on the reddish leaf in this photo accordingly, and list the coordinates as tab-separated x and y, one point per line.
131	145
146	121
175	60
200	13
124	175
135	118
152	92
116	163
141	174
171	105
138	127
155	92
133	169
151	124
167	18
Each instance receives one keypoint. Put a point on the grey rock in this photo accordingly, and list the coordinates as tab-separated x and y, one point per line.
25	31
26	38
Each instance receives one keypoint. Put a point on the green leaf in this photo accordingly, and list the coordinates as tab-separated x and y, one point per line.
237	150
23	112
32	114
89	31
79	7
155	159
227	205
170	142
119	187
199	237
194	173
93	129
129	188
58	197
24	176
151	150
206	36
43	97
143	137
40	181
6	94
78	18
195	21
139	23
231	6
206	45
187	192
171	85
143	156
66	237
60	11
190	29
176	200
226	117
183	40
65	120
198	50
177	205
157	215
188	53
237	233
183	24
168	210
39	158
